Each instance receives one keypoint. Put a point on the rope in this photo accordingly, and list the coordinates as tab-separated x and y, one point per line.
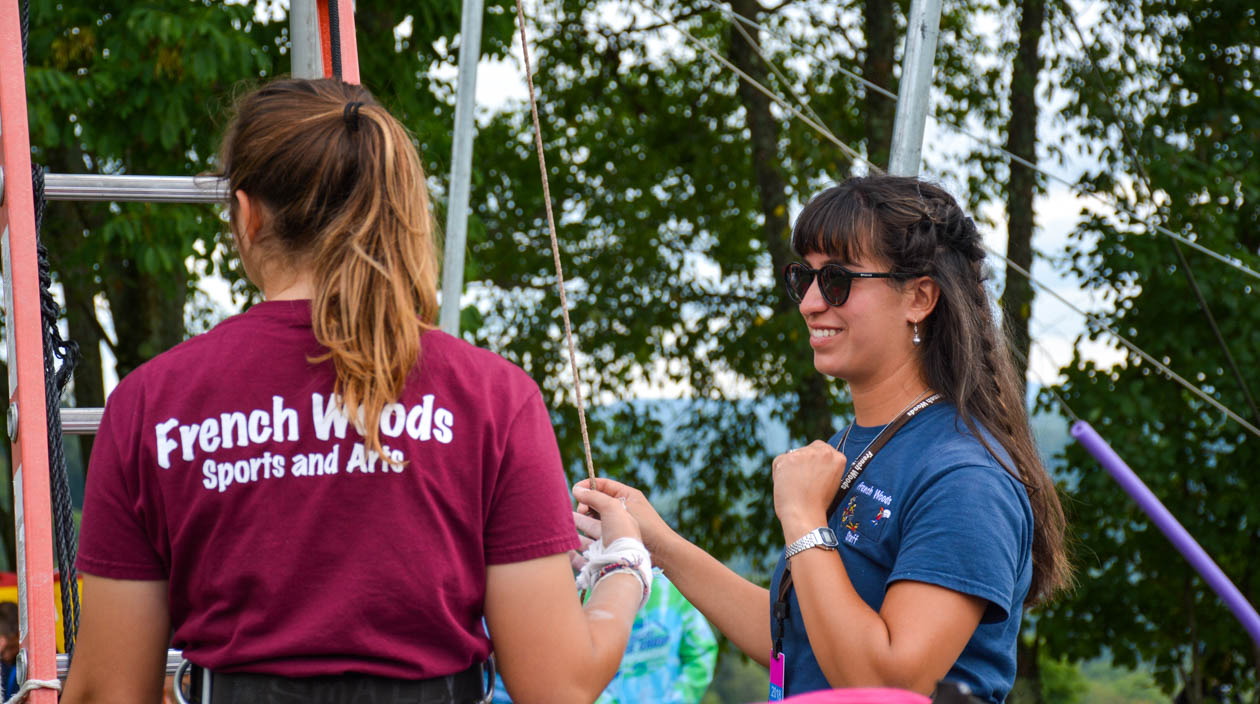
334	37
1095	321
787	85
753	24
1041	380
849	151
1144	179
26	28
30	686
1091	319
555	245
65	540
1076	188
55	380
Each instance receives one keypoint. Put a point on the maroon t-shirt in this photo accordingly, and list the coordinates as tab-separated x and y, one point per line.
225	467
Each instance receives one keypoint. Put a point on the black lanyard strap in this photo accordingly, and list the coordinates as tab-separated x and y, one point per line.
856	468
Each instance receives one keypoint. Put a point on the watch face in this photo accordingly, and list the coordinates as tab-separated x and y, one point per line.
828	536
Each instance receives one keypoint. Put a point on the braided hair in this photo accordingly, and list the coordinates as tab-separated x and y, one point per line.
920	230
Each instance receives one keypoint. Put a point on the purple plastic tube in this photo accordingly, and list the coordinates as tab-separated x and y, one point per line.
1180	538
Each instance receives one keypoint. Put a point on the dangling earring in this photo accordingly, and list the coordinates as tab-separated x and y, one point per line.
916	339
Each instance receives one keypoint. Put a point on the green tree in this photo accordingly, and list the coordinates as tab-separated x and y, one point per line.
133	90
674	186
674	182
1178	82
145	89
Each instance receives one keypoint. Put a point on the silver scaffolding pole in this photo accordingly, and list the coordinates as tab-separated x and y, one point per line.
461	167
913	96
305	51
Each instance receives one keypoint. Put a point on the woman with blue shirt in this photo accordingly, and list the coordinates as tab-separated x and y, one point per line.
915	537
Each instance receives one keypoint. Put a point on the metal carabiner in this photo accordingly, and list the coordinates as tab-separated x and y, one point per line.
182	697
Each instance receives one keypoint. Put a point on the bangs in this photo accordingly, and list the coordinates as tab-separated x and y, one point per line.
838	224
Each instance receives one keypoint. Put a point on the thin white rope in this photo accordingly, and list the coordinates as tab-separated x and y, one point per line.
1041	380
1076	188
849	151
1089	317
30	686
791	42
1094	320
787	84
555	245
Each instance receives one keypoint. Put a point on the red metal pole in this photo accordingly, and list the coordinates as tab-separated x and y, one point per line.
32	503
349	46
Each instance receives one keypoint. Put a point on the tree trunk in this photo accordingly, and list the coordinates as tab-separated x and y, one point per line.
1028	668
148	313
89	377
877	66
813	415
1255	664
1021	140
1194	685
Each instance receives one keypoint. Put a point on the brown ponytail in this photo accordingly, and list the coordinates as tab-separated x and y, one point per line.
919	229
344	195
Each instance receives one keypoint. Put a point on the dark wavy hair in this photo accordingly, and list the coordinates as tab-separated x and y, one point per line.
920	230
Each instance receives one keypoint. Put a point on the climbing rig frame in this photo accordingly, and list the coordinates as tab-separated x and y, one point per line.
28	423
312	29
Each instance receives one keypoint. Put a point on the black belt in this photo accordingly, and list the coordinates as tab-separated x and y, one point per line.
472	686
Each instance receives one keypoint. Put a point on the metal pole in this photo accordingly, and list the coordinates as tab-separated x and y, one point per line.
922	30
149	189
461	166
304	46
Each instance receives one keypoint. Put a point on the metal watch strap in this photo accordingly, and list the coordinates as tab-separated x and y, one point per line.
812	539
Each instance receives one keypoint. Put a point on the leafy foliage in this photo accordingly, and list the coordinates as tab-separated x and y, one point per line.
663	230
1178	82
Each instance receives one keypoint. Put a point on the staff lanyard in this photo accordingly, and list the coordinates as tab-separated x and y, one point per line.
856	468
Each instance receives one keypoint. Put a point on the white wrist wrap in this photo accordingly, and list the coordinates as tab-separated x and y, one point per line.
623	555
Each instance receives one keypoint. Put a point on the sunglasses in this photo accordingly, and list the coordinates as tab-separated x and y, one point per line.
833	281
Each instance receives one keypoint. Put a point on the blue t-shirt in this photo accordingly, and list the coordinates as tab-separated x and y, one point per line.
933	506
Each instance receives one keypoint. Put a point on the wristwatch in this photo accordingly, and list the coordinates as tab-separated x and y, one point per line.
824	538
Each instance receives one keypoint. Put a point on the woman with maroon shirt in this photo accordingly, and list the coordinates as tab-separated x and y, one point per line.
322	497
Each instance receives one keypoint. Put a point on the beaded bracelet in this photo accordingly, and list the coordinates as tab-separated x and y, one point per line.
624	554
625	566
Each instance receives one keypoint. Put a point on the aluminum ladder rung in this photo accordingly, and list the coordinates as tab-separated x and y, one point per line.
152	189
81	421
173	659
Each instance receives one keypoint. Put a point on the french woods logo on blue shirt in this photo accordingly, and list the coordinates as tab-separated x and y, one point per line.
867	511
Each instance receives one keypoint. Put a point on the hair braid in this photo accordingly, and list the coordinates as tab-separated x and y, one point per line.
919	229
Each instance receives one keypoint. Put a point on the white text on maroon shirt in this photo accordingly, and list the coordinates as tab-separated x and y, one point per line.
224	431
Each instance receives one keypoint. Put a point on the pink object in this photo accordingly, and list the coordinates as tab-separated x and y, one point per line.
874	695
26	364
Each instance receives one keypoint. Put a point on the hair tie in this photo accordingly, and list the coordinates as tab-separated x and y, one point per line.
351	116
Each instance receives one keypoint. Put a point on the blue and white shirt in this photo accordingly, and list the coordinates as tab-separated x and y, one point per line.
933	506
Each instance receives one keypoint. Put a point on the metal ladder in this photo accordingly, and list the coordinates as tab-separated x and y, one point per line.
312	41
